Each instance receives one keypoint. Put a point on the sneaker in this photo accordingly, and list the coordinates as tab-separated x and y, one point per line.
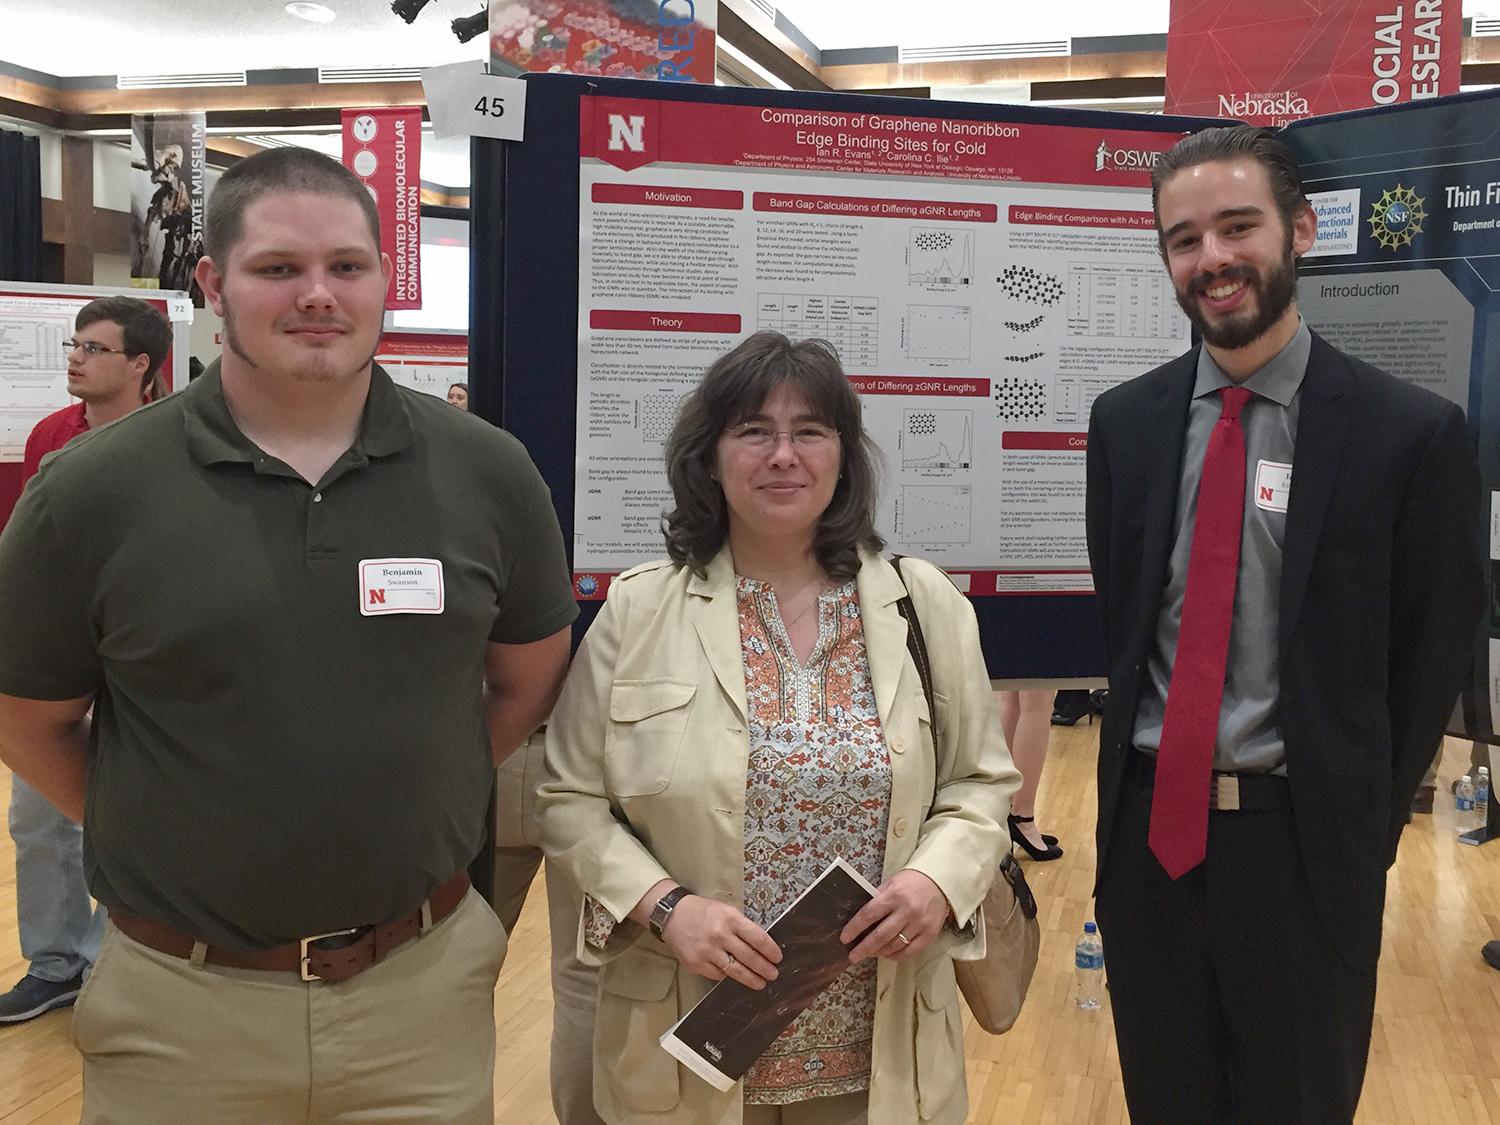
32	996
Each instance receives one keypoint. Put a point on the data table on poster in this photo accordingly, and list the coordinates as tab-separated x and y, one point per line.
1122	299
850	324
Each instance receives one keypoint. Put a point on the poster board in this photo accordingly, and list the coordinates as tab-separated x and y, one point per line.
35	319
1406	275
1029	201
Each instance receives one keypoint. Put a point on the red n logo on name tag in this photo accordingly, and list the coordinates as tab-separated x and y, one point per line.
1266	493
377	597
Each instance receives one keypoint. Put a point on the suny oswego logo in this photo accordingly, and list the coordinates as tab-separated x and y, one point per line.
626	134
1111	159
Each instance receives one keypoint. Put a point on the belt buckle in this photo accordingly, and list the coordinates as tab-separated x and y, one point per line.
303	943
1226	792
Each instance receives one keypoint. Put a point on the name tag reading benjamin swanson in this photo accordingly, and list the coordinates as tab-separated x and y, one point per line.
400	586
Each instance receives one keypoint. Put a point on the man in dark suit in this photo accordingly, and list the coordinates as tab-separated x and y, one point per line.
1285	547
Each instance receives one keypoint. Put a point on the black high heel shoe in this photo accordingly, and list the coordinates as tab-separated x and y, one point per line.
1072	705
1051	851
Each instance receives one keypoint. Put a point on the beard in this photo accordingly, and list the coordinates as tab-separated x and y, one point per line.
1273	292
316	367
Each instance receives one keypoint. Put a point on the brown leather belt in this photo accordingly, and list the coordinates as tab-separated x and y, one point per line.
332	957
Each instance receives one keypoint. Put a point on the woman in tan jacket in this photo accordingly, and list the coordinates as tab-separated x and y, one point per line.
742	714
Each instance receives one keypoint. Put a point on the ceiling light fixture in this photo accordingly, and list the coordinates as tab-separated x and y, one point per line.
466	27
311	12
408	9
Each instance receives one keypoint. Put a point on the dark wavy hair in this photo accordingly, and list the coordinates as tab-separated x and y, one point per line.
733	390
1230	143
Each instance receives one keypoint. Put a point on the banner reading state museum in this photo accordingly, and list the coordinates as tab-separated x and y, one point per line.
1275	61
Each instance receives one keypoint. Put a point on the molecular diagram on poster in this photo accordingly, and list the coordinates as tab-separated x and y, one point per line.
1022	283
657	414
1019	399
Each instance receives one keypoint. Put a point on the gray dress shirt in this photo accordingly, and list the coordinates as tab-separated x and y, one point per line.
1249	740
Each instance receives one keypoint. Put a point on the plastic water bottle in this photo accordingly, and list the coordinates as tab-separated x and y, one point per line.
1463	805
1088	970
1482	798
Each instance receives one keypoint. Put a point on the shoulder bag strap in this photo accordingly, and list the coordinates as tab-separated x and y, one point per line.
916	644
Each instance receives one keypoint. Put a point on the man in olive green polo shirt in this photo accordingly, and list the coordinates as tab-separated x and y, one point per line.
285	586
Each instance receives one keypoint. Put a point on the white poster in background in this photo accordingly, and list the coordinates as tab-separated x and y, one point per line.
33	365
980	301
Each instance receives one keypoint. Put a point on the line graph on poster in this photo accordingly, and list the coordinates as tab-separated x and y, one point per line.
934	514
941	440
937	331
940	256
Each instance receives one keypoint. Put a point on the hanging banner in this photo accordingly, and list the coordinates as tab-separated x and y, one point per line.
168	187
662	40
1275	61
383	147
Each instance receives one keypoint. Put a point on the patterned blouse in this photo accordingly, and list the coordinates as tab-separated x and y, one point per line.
819	788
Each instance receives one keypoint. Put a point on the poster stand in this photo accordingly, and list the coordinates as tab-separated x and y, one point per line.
525	269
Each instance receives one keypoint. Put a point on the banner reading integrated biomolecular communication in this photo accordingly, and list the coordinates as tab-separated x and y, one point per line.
982	282
1276	61
383	147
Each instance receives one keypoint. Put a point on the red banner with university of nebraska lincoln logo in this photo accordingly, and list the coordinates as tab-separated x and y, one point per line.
1274	61
383	147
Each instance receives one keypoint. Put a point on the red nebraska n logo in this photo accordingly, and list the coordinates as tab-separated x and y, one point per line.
377	597
627	132
1267	493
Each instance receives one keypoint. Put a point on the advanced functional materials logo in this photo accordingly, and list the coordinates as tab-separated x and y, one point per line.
1396	217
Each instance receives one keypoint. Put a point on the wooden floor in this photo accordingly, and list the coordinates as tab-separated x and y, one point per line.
1435	1058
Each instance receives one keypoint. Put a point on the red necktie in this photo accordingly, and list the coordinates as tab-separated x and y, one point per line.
1184	763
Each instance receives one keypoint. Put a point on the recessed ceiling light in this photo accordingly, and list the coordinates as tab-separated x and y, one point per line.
313	13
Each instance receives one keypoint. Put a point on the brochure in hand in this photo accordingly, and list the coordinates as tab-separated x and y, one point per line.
733	1025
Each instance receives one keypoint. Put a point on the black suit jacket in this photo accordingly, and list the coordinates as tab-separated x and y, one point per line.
1380	593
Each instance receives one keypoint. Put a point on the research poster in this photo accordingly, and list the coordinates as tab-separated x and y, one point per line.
1406	269
33	364
982	281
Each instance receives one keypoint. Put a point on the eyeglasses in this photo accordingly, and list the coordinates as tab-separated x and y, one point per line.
90	348
808	437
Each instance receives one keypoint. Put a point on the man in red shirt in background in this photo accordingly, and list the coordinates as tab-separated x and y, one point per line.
114	366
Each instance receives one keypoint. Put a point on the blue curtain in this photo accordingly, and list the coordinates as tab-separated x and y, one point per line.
20	207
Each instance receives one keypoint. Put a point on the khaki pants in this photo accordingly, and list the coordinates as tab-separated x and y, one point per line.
575	986
846	1109
410	1039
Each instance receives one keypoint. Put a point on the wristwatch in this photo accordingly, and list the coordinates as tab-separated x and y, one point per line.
661	913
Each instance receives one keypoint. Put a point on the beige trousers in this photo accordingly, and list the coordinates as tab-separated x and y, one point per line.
846	1109
411	1039
575	986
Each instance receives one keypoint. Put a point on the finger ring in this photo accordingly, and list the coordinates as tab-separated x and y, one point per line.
904	939
728	961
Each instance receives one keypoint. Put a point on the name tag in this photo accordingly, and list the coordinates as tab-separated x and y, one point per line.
400	586
1273	485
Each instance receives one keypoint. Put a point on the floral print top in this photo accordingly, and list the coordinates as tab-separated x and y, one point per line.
818	788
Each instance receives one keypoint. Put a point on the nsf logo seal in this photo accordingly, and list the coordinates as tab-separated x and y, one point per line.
588	585
1397	217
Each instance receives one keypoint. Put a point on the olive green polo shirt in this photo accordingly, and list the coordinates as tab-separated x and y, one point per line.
268	761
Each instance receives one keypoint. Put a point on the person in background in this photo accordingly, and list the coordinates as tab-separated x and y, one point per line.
458	395
115	360
743	713
307	656
1026	719
1283	541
